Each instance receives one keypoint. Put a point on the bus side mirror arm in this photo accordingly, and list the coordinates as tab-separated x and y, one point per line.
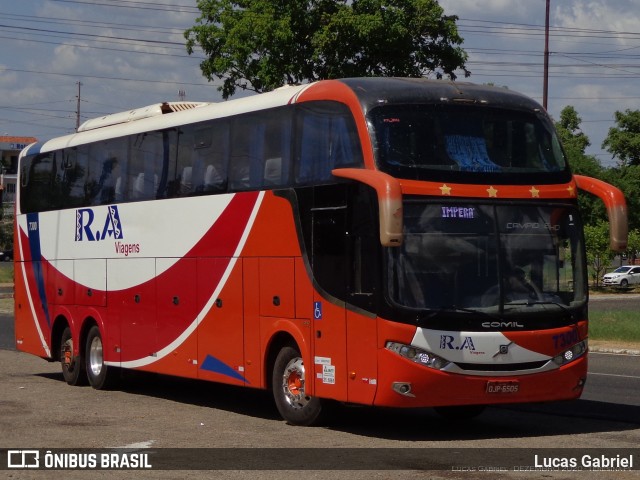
616	206
389	201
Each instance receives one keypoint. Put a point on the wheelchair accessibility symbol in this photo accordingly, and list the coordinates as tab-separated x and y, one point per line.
317	310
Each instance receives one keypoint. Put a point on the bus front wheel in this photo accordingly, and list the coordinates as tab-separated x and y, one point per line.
100	375
289	389
71	361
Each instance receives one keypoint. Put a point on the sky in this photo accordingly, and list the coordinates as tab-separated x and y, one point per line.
117	55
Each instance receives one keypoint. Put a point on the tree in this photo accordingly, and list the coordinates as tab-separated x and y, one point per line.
627	179
263	44
633	245
575	143
569	132
623	141
596	239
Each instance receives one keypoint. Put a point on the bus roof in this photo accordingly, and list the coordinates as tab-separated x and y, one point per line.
148	119
370	92
373	91
138	114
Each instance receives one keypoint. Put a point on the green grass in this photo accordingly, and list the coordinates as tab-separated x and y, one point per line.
615	325
6	305
6	272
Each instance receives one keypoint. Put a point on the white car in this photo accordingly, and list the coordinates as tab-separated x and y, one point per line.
622	276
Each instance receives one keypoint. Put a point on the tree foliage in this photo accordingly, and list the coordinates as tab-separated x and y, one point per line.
633	245
623	140
575	143
626	177
599	256
569	132
264	44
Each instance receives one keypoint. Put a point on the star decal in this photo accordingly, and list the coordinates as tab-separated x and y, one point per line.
571	190
492	191
535	193
446	190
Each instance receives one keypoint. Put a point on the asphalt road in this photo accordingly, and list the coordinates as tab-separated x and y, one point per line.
149	412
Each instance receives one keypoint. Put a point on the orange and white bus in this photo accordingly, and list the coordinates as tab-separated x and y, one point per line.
390	242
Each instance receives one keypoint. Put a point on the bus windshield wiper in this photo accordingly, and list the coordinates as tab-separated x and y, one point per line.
454	308
532	302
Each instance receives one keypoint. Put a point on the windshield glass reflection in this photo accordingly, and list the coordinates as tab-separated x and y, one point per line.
487	257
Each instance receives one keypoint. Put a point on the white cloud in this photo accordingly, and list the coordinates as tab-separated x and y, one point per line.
500	10
613	15
68	58
8	79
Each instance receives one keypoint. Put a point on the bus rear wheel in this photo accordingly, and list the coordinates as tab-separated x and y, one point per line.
71	361
289	389
100	375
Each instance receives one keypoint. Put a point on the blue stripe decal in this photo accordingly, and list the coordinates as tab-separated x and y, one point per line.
214	365
33	227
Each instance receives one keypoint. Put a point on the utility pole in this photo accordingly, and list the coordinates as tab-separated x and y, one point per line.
78	107
545	88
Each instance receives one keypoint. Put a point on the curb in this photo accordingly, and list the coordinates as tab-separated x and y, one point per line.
615	351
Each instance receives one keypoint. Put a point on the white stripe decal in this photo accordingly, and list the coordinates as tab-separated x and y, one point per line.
31	305
194	325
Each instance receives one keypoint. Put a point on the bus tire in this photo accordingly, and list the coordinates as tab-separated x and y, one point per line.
100	376
71	360
288	384
460	412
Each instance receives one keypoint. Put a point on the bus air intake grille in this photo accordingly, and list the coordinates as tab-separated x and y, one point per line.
502	367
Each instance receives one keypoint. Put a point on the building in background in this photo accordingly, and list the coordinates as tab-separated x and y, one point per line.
10	148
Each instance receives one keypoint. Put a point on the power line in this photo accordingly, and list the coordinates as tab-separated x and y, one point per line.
100	77
110	49
91	35
138	5
535	27
90	23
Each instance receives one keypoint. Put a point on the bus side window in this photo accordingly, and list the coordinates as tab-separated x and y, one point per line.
107	181
313	164
37	182
205	172
107	167
246	136
277	148
203	158
261	150
344	143
328	139
187	162
74	166
217	158
145	168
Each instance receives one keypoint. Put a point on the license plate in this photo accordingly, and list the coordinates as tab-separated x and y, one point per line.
503	387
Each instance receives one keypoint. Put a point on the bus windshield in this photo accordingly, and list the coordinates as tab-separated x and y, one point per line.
498	258
424	142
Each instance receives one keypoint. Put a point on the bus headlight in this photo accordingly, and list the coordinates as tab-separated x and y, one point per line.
575	352
417	355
